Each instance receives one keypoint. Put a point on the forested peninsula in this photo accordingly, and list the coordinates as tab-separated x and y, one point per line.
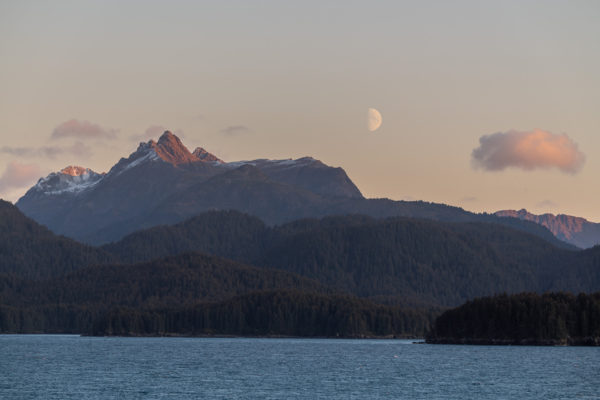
522	319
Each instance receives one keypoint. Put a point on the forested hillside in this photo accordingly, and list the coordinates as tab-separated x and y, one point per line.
30	250
374	269
195	294
394	259
526	318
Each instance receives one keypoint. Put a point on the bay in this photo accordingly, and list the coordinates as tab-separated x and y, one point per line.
74	367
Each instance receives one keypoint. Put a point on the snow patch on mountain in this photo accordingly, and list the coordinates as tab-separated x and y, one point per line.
284	163
149	156
71	179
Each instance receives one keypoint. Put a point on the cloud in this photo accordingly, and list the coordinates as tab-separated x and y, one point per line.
235	130
546	204
18	151
78	148
82	130
468	199
527	151
154	132
18	175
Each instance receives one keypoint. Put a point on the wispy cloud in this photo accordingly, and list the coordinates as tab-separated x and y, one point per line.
19	151
545	204
154	132
78	148
468	199
235	130
18	175
82	130
528	150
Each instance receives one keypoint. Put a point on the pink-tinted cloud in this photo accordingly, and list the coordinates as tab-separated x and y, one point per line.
18	175
82	130
528	151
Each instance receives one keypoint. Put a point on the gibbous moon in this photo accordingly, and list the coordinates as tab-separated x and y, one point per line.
374	119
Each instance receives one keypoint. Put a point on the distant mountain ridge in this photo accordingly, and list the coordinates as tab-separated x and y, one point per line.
575	230
162	182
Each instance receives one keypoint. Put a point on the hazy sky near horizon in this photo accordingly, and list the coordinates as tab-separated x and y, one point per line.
486	105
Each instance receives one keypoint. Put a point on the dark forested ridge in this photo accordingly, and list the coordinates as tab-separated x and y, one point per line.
418	261
526	318
228	234
378	268
195	294
30	250
172	281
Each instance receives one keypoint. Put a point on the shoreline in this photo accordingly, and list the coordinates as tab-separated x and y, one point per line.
585	341
223	336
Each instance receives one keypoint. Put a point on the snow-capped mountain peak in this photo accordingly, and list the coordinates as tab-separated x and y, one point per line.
75	170
71	179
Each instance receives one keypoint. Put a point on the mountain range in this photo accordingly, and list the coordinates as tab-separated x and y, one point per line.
574	230
170	241
162	182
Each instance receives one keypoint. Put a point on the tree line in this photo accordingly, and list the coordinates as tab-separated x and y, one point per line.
527	318
269	313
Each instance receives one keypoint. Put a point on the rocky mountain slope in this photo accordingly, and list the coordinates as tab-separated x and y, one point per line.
575	230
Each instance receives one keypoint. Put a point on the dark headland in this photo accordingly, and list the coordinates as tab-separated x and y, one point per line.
551	319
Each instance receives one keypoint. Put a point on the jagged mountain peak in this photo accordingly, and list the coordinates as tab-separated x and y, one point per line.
575	230
204	155
170	149
524	214
75	170
168	136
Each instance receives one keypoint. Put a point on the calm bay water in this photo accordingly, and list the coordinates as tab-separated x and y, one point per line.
73	367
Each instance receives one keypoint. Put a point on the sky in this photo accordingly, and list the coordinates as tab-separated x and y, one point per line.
485	105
